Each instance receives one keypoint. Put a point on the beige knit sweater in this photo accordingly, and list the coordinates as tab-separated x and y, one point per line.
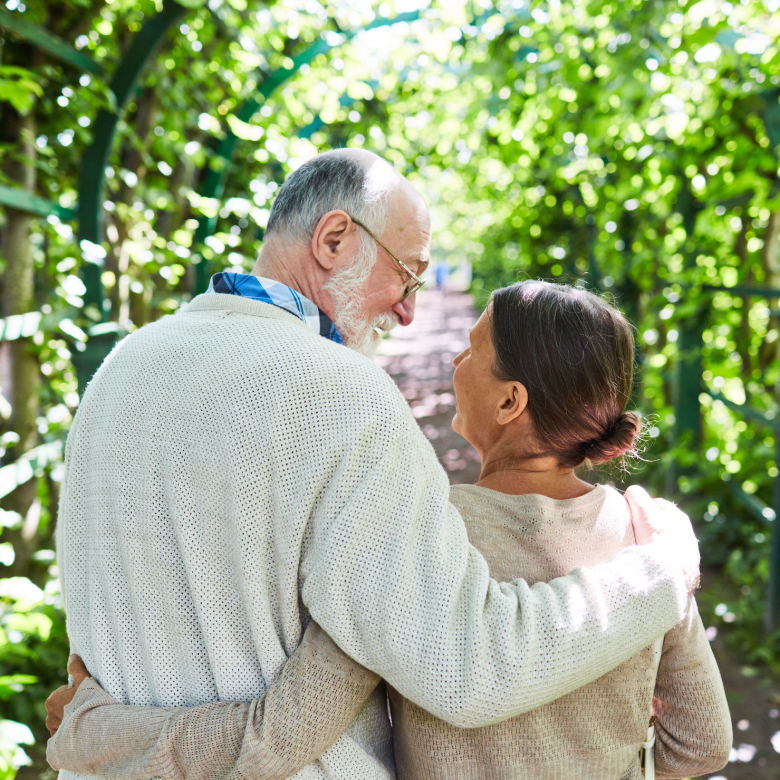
594	732
230	474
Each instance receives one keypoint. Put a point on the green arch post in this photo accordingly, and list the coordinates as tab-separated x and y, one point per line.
49	43
93	163
102	337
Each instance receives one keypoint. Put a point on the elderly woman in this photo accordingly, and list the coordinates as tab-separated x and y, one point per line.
541	390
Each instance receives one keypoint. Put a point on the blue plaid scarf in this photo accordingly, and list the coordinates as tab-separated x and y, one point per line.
277	294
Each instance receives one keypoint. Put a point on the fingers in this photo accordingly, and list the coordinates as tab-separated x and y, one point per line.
52	724
55	707
645	514
63	696
660	521
77	670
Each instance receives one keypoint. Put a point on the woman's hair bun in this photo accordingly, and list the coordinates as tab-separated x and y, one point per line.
619	439
573	351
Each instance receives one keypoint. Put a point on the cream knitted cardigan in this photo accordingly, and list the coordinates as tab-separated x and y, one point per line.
230	473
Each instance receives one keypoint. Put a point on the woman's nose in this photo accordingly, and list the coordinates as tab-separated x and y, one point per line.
404	310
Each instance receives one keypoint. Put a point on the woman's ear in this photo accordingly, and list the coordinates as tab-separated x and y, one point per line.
512	404
329	242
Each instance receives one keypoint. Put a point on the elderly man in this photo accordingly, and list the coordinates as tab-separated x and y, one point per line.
234	472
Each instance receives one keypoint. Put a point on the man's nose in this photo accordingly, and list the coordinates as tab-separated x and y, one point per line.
404	310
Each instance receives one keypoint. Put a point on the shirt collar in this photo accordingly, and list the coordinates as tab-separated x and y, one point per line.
277	294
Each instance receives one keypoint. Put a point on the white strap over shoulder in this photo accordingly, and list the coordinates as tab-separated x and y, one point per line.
647	753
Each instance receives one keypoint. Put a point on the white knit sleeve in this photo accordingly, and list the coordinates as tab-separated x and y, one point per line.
389	573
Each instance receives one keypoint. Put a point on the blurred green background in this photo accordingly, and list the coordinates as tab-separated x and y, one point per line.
629	146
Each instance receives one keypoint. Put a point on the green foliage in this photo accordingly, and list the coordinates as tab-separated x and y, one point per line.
33	655
12	756
19	87
630	146
634	148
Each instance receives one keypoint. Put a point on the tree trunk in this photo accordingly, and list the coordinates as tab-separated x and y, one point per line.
770	263
770	260
132	160
18	298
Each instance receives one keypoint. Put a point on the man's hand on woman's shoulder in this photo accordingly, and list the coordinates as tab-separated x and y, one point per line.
657	521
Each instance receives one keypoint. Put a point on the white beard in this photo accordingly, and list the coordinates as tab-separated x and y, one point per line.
365	337
346	290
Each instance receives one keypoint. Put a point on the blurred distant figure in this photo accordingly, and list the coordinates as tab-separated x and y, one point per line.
442	272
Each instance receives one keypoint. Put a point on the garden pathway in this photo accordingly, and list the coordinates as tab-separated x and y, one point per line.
419	358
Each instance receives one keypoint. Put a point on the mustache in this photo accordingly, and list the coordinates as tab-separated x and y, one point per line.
384	323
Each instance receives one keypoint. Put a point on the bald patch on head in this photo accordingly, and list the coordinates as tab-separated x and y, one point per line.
362	155
381	175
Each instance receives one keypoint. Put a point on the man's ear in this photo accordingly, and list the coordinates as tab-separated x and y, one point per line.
330	239
512	404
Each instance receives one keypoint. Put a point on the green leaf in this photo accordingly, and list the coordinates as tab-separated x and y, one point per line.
70	328
13	684
19	87
16	733
244	130
18	94
23	593
31	623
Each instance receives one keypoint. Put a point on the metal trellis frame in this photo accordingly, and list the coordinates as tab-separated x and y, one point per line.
101	337
93	163
95	158
33	204
688	409
49	43
92	178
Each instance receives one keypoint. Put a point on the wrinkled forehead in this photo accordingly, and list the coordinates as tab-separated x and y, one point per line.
408	229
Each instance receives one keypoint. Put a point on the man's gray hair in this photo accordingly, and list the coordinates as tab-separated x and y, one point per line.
326	183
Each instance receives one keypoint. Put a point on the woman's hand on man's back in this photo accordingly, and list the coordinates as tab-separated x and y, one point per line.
63	696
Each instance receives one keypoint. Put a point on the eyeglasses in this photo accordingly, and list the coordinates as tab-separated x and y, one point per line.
418	283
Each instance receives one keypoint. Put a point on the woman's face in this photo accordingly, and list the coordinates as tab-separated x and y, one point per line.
478	392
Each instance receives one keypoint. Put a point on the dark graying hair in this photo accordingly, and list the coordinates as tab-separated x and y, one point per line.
574	353
326	183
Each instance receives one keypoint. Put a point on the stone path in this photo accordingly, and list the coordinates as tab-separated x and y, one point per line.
419	358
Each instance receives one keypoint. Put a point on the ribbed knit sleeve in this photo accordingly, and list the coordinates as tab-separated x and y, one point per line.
312	702
692	721
390	575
